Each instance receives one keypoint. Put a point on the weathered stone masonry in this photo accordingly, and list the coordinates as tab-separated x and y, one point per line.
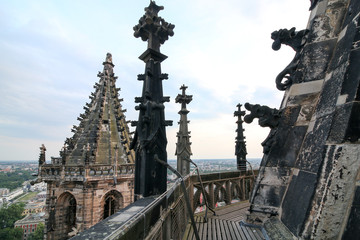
309	180
94	176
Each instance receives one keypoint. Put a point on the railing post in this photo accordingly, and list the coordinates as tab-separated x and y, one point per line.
211	195
228	191
191	193
243	188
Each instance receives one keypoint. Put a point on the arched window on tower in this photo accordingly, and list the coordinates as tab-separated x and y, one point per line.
65	215
112	202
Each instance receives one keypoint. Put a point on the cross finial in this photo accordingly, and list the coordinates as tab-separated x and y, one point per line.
183	88
42	148
153	28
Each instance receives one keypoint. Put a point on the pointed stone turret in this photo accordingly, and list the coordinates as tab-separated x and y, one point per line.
183	150
93	177
150	136
240	147
102	126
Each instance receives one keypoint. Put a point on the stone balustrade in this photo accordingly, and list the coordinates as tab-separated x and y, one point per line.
50	171
221	188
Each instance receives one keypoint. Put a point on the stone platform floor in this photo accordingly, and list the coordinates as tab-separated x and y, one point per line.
228	223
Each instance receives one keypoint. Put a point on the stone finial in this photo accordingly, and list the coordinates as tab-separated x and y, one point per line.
108	58
240	147
153	28
63	153
183	98
150	134
42	155
183	149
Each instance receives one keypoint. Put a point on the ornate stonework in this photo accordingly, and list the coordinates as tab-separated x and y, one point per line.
93	177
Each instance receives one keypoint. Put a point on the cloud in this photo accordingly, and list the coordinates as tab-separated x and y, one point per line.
51	52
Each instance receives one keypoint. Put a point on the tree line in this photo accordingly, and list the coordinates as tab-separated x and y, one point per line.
13	180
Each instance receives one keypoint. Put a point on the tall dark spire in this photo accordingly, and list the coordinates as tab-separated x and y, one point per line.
240	147
183	150
150	136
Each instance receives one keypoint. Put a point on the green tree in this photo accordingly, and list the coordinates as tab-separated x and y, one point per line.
8	216
11	234
38	234
13	180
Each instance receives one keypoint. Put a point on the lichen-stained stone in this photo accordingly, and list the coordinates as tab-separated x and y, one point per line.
353	11
343	47
340	123
335	190
271	195
346	123
297	200
352	230
315	59
356	42
291	139
351	81
312	150
326	25
353	130
330	93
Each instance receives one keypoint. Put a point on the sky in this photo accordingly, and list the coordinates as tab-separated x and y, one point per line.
51	52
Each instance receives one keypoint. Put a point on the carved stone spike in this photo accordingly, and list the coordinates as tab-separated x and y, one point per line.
295	40
42	155
240	147
108	58
183	149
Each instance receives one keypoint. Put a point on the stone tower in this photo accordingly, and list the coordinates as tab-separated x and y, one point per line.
183	149
94	176
150	137
240	146
308	182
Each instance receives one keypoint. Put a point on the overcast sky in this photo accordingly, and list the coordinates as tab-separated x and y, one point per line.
51	52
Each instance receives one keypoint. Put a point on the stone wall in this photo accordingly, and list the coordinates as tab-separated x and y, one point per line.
309	178
90	201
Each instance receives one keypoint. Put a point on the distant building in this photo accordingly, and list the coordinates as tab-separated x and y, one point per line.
38	187
30	223
4	191
17	192
34	207
41	195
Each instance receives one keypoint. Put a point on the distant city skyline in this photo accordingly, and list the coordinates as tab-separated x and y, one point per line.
52	51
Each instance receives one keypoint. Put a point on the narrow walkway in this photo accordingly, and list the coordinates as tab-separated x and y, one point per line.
227	224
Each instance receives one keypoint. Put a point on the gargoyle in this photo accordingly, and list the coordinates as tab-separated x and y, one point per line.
268	117
294	40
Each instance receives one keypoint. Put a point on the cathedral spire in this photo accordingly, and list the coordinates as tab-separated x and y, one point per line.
150	136
183	150
102	126
240	147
